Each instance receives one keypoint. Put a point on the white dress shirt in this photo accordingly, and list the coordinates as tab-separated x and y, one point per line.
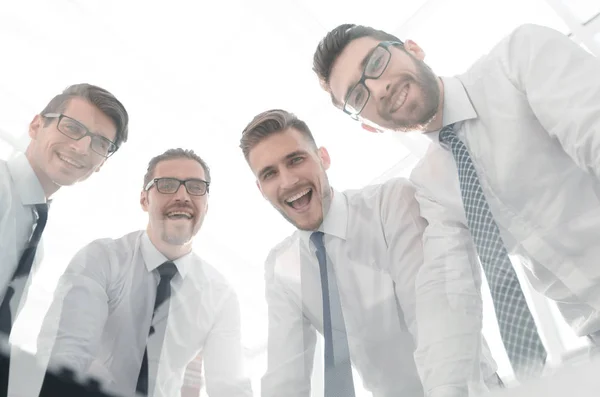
529	113
20	191
373	238
99	322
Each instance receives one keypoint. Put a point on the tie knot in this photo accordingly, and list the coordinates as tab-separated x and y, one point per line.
446	134
42	212
317	240
167	270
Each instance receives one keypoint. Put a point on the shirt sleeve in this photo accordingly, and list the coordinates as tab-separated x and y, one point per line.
448	286
223	353
71	331
291	341
562	84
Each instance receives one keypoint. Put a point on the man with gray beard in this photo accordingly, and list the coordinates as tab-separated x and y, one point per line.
133	312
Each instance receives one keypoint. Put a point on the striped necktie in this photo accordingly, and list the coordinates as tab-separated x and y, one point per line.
517	327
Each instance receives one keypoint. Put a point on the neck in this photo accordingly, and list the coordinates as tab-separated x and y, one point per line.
47	184
438	121
170	251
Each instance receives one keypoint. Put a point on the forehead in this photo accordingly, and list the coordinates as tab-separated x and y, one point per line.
179	168
274	148
92	117
347	68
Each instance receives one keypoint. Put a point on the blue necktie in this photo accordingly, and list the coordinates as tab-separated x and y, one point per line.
23	268
338	368
517	327
163	292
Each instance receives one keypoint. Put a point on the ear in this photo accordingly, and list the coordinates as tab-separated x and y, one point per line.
35	126
144	200
370	128
413	48
325	159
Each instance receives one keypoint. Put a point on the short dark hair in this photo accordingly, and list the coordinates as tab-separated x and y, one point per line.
173	154
99	97
271	122
334	42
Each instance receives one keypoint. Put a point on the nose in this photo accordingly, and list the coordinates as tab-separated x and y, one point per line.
81	146
288	179
379	88
181	194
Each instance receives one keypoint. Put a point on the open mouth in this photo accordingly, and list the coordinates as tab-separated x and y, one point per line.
399	99
177	215
301	200
70	162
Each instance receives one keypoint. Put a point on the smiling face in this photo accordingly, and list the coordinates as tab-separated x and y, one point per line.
405	97
290	173
59	160
175	218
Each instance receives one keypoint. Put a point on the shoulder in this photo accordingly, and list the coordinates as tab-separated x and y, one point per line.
285	251
107	252
526	42
211	274
380	195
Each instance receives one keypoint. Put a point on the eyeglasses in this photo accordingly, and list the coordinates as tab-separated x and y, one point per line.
194	187
359	94
77	131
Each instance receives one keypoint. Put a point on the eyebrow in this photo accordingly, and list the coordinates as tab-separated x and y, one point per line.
362	66
96	133
287	157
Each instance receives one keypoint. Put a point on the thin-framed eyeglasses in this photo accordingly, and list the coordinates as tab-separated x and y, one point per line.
194	186
375	66
73	129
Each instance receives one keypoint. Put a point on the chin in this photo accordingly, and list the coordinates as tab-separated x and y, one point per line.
307	224
176	239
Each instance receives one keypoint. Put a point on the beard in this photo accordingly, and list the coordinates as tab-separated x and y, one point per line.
424	111
180	234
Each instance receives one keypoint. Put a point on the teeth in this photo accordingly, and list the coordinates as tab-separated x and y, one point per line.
68	160
401	98
297	196
176	213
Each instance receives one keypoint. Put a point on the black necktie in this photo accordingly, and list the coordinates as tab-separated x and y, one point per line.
163	292
23	268
338	367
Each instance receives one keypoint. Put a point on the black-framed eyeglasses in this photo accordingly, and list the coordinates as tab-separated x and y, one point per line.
73	129
359	94
194	186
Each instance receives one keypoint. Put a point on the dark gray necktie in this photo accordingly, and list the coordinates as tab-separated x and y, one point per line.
517	327
338	368
167	271
23	269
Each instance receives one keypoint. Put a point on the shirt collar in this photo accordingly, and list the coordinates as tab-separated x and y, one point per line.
457	105
26	182
153	258
336	220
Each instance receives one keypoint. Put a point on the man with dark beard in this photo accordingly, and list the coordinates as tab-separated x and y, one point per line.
349	272
134	311
513	168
